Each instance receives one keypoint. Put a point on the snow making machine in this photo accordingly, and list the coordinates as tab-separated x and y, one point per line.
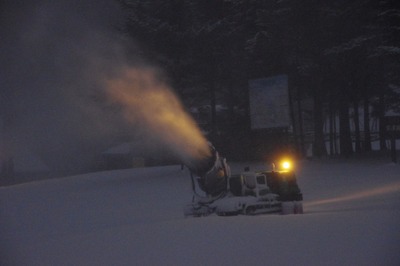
216	190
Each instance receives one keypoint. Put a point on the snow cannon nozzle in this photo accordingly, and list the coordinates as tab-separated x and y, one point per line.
200	167
211	173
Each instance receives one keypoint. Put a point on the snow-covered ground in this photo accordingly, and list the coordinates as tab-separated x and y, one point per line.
134	217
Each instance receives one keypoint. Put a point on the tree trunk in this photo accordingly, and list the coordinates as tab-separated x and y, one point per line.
332	129
335	135
319	141
367	131
213	103
382	130
357	127
346	147
295	129
301	128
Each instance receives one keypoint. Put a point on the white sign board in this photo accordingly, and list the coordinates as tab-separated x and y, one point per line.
269	102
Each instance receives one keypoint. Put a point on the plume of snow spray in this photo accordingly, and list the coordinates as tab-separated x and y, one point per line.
58	54
146	99
387	189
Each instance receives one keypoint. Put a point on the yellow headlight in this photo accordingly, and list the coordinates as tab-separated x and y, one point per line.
286	165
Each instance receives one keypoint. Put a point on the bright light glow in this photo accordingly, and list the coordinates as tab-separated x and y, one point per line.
286	165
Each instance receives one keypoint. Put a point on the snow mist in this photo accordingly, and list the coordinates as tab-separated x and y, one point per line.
150	102
66	61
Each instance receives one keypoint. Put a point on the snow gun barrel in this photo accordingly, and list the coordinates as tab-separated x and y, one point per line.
211	172
199	167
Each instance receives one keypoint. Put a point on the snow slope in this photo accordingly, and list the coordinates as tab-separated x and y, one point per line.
134	217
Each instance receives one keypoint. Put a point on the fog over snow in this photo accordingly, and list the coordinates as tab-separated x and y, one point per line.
75	85
55	54
135	217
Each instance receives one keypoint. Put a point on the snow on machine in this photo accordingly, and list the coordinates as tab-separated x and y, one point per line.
248	193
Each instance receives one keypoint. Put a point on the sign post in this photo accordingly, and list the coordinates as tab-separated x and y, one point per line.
269	103
392	127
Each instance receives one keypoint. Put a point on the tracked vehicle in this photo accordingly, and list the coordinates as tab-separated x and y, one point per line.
216	190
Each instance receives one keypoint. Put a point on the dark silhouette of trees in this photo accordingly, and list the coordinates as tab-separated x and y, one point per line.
343	55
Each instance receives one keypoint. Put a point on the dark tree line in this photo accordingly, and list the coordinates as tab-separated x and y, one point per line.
344	55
